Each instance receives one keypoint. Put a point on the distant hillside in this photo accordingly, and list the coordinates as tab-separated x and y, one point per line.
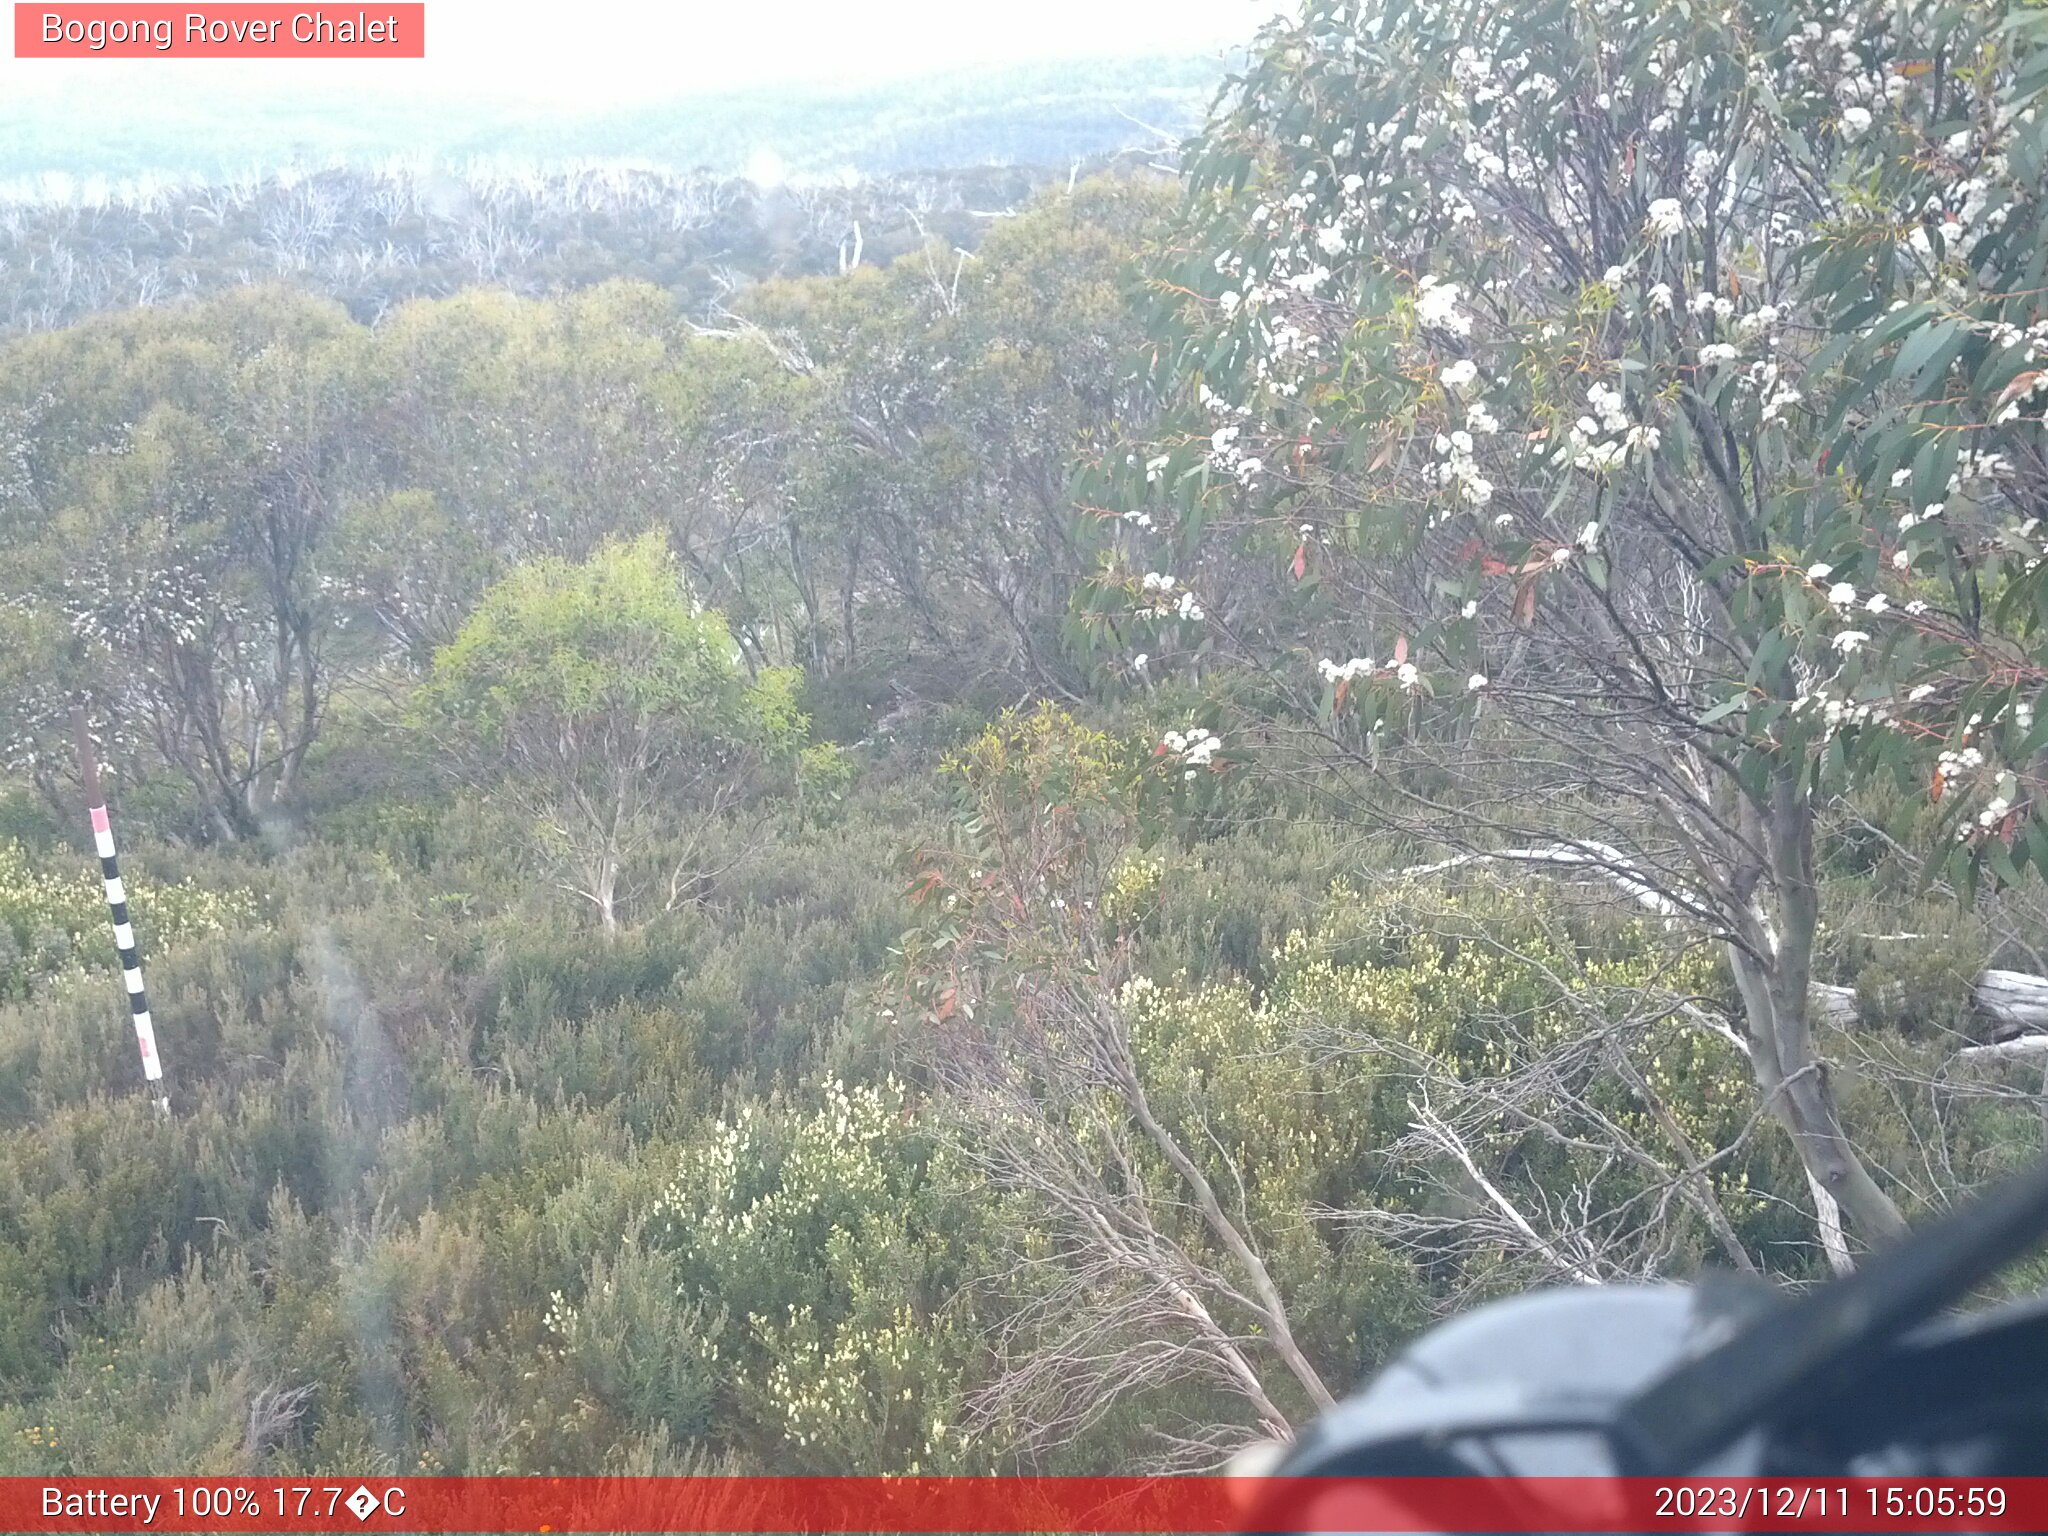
1035	114
375	237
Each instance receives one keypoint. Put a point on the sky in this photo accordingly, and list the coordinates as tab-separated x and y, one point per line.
594	53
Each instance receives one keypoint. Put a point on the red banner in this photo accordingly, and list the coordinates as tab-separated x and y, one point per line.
1129	1506
226	31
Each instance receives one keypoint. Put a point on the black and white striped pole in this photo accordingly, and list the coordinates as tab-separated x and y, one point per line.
117	906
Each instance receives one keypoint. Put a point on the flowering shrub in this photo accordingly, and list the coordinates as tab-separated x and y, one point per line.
827	1236
54	923
1805	292
654	1361
1132	889
1401	996
1663	388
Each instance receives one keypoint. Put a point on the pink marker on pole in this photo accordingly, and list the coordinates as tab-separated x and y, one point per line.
117	905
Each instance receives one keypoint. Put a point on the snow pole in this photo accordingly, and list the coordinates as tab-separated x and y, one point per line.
117	907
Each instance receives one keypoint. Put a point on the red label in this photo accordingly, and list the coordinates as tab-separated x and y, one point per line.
233	31
1012	1506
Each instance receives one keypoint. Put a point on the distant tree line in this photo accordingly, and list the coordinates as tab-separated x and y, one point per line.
374	238
219	515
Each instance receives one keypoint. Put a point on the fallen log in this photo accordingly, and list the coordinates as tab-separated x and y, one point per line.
1835	1005
2013	1003
2017	1048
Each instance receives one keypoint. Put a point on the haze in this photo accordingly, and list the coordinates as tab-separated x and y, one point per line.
598	54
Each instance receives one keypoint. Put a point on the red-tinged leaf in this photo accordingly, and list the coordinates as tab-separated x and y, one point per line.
1400	649
1300	561
1525	600
2019	386
2007	826
1160	750
1343	687
1934	790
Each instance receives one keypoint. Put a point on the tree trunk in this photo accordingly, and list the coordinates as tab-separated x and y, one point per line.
1773	965
1795	1087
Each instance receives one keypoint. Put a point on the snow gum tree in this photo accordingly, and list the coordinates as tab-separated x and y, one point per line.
1648	396
602	702
174	484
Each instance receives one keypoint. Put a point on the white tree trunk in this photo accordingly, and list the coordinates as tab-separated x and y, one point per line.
1828	1215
